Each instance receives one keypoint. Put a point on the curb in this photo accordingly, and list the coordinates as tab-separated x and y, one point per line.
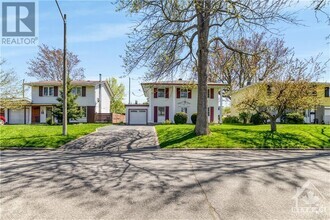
243	149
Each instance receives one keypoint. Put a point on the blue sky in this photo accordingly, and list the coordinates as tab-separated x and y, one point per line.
98	34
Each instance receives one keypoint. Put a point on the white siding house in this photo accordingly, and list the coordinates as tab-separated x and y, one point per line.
44	96
167	98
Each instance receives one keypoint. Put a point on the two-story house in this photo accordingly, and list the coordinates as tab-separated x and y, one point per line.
166	98
93	98
319	114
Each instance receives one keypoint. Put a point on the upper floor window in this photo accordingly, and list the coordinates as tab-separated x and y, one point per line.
183	93
48	90
326	92
161	93
76	91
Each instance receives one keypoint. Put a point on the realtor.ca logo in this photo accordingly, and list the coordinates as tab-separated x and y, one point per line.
308	199
19	23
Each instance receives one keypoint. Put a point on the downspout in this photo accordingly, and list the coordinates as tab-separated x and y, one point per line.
100	94
23	101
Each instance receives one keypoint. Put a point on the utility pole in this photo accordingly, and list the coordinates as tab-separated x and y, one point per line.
129	90
65	89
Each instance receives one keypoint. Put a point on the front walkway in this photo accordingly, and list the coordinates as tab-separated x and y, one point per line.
116	138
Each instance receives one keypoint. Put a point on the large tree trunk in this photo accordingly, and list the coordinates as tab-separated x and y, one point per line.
273	124
203	20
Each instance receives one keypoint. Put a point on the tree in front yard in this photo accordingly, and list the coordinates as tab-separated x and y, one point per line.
11	91
291	88
118	94
74	111
48	65
237	70
173	37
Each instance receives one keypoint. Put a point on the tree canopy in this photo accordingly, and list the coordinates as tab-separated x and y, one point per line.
291	88
118	94
11	92
48	65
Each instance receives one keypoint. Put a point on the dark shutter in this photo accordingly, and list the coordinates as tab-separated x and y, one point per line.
189	93
41	91
83	91
177	93
212	93
211	114
90	114
326	92
167	93
155	93
55	90
155	114
167	113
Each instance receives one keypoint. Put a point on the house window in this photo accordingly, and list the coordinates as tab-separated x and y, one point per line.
161	93
183	93
184	109
48	91
326	92
161	111
208	93
76	91
208	111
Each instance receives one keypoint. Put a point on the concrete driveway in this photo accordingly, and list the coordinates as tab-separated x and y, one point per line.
116	138
163	184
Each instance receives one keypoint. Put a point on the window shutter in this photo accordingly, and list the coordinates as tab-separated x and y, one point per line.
155	114
189	93
155	93
211	114
167	93
177	93
326	92
212	93
55	90
83	91
41	91
167	113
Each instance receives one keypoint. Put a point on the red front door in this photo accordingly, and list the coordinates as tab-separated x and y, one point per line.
35	114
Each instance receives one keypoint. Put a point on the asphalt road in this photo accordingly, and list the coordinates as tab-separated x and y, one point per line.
164	185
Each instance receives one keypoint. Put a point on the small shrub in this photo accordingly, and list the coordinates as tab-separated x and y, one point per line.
244	117
257	119
180	118
167	122
230	120
294	118
49	121
193	118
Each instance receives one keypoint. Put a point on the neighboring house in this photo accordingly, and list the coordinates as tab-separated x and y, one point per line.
319	114
166	98
93	98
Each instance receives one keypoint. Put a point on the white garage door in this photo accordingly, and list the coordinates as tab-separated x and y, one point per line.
16	116
138	117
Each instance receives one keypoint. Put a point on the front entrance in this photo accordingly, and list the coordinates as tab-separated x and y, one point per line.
35	114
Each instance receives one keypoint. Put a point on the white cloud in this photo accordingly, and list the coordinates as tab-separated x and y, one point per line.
100	32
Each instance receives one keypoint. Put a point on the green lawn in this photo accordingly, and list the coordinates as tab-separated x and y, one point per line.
42	136
245	136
